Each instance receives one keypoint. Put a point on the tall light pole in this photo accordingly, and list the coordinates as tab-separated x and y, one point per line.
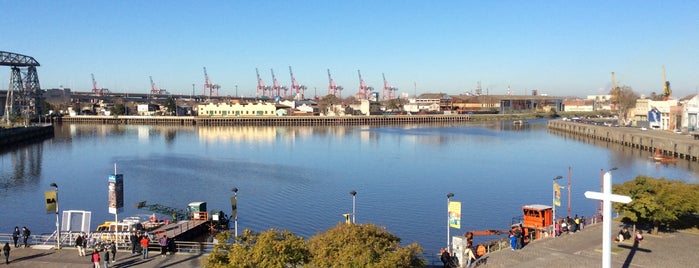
354	194
449	196
235	209
58	224
553	216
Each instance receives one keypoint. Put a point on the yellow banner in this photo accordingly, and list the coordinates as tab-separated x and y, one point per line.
557	193
455	214
50	197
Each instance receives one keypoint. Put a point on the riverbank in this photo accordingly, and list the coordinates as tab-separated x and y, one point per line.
290	120
18	135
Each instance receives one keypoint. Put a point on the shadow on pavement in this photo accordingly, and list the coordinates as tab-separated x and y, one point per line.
29	257
183	260
632	252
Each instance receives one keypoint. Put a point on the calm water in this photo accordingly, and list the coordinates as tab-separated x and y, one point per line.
299	178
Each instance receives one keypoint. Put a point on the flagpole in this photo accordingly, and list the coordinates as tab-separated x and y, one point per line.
449	196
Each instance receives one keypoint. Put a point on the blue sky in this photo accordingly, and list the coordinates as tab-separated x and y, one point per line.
561	48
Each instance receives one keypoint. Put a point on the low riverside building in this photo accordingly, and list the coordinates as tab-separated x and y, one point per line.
690	110
669	113
237	109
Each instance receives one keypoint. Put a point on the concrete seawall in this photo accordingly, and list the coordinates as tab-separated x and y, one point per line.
23	134
678	145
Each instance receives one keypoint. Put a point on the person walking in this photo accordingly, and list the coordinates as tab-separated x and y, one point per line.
6	251
106	258
79	245
144	245
95	259
518	238
113	250
470	257
15	236
513	240
163	246
25	235
134	242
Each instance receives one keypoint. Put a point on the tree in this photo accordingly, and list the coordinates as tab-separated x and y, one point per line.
362	245
623	100
657	201
171	105
118	109
326	102
272	248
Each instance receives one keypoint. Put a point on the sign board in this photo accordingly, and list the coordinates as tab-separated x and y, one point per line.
116	193
51	203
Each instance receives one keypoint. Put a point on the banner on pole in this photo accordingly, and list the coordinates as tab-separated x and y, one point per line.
455	214
50	197
234	207
116	193
557	193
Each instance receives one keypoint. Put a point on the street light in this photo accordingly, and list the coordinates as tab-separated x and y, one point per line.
553	216
449	196
58	225
354	194
235	210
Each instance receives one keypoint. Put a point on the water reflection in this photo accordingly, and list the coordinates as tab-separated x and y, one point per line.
22	168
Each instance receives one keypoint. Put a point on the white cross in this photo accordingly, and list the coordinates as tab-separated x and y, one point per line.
607	198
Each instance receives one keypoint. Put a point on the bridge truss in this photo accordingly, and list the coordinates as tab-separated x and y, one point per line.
24	94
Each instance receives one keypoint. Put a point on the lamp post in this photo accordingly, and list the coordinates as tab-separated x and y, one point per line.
553	216
235	210
58	224
354	194
449	196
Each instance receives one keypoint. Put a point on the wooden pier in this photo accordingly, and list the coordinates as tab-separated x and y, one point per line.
682	146
182	230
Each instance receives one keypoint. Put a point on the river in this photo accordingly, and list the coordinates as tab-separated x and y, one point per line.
300	178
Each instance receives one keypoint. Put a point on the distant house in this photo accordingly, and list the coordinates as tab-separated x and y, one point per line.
690	113
578	105
670	113
237	109
147	109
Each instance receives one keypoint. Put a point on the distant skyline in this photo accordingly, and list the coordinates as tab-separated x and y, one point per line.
559	48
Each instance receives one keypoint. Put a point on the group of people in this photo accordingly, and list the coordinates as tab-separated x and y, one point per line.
25	233
569	225
95	257
516	235
624	234
450	260
139	244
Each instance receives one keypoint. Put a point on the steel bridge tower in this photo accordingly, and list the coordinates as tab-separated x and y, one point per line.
24	96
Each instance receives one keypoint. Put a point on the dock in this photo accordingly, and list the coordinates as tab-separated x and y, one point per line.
182	230
678	145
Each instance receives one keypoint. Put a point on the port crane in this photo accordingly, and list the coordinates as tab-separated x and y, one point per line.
299	90
334	89
262	89
154	89
389	92
364	90
210	85
95	90
666	87
277	87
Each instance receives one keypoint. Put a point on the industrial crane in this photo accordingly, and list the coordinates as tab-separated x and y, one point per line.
334	89
154	89
209	85
262	89
364	90
95	90
666	87
299	90
277	87
388	90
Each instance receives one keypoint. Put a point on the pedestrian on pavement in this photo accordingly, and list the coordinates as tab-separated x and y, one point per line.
518	238
513	240
95	259
15	236
470	257
6	251
79	245
106	259
163	245
25	235
144	245
113	250
134	242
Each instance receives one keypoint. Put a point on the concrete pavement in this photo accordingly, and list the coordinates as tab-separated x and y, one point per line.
68	258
